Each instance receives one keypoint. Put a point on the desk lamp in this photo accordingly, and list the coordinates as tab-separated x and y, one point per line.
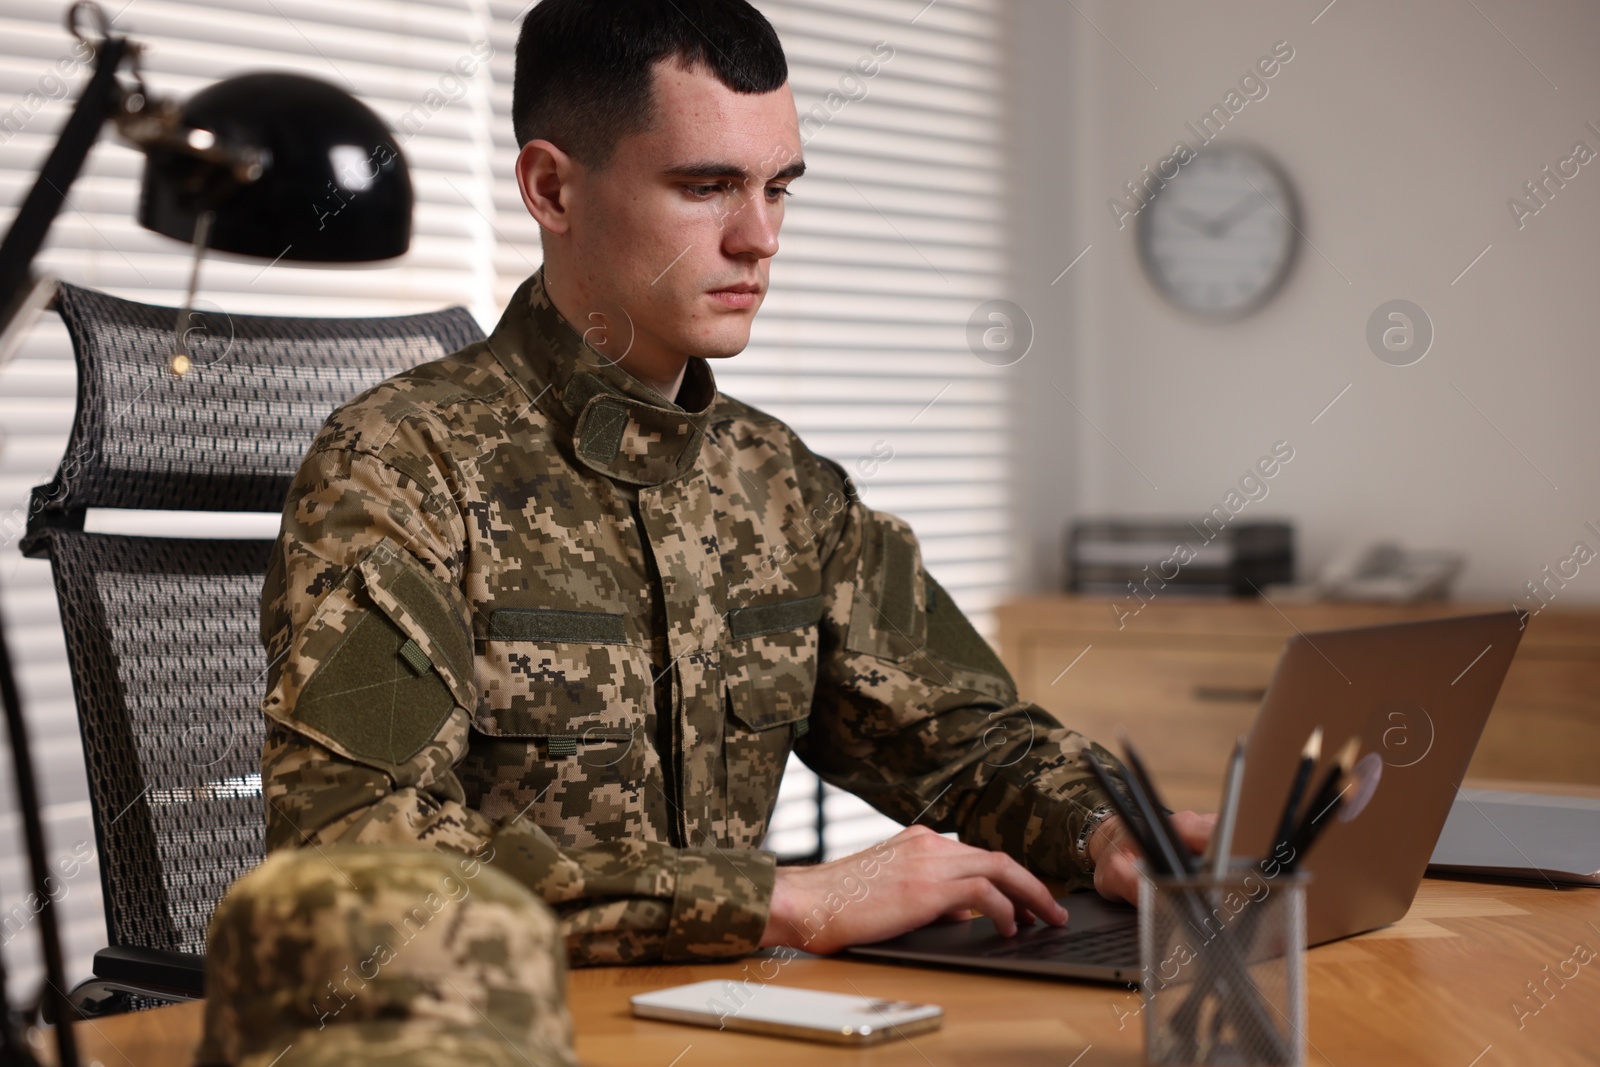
274	165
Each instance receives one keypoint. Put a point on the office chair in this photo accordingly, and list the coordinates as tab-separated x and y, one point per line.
162	633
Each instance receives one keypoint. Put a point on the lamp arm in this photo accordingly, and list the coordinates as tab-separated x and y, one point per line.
32	223
49	928
22	242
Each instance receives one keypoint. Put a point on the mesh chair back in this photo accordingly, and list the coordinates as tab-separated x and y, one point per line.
229	434
163	633
167	671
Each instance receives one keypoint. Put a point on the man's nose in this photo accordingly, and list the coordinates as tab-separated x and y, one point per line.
751	227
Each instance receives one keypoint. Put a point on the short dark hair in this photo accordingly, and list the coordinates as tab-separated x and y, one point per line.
585	67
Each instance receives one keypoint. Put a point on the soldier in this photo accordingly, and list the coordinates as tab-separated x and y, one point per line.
365	954
556	602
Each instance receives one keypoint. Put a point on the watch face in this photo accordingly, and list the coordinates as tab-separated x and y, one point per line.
1218	239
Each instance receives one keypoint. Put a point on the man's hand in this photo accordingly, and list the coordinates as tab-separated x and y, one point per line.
1113	850
908	881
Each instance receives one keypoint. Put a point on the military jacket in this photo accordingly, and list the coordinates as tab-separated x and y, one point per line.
522	606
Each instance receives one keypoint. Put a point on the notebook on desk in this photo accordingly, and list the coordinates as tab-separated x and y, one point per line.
1523	836
1417	693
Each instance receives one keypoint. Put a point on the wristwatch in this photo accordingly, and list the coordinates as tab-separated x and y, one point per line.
1091	823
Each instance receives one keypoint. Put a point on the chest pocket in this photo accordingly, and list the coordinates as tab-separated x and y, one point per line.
770	674
560	724
772	667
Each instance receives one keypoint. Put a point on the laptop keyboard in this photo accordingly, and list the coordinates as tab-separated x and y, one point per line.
1108	945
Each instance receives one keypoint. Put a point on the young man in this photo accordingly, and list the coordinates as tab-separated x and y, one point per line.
554	601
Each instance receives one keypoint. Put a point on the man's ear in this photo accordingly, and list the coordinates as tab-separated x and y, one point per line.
545	176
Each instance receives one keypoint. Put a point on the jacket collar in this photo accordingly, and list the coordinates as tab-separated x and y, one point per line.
619	426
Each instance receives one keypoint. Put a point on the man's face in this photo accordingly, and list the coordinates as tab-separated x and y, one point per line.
689	207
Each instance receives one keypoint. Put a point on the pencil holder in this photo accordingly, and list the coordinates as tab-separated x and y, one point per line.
1223	968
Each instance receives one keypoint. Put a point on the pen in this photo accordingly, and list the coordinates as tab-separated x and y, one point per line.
1222	837
1135	824
1177	856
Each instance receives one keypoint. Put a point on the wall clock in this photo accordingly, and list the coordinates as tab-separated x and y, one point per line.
1219	239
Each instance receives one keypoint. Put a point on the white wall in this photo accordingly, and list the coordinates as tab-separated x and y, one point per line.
1404	129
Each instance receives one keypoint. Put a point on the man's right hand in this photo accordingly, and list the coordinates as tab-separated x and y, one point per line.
898	885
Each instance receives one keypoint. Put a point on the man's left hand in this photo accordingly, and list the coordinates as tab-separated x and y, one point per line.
1113	850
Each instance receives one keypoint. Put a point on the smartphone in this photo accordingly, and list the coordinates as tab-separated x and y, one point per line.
782	1011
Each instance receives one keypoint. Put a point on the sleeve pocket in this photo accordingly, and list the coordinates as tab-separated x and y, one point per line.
378	668
888	616
417	603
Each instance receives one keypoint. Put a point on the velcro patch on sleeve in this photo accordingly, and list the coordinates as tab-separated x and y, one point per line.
887	619
369	698
953	639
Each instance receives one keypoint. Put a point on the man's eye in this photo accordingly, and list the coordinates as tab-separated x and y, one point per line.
703	191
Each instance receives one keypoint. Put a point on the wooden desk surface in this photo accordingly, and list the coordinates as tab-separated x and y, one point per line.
1437	988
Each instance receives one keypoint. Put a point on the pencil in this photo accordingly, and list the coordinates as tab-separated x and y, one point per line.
1326	801
1297	787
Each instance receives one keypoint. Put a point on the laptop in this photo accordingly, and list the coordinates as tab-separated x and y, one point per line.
1415	693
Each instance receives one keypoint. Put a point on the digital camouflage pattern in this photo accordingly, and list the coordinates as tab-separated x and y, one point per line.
383	955
524	607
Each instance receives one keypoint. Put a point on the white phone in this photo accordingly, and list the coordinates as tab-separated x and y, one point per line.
786	1012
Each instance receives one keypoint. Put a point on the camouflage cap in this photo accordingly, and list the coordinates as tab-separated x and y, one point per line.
383	954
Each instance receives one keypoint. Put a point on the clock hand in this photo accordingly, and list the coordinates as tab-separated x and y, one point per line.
1194	220
1250	202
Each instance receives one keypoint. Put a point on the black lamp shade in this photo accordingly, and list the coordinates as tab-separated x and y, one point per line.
334	187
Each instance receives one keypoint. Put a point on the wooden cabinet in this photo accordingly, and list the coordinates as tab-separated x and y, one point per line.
1184	678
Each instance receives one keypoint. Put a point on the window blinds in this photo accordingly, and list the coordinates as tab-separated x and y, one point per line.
892	240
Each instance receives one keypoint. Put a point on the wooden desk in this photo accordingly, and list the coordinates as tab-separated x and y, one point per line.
1436	988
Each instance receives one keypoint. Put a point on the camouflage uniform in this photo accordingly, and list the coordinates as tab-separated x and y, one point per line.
523	606
383	954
